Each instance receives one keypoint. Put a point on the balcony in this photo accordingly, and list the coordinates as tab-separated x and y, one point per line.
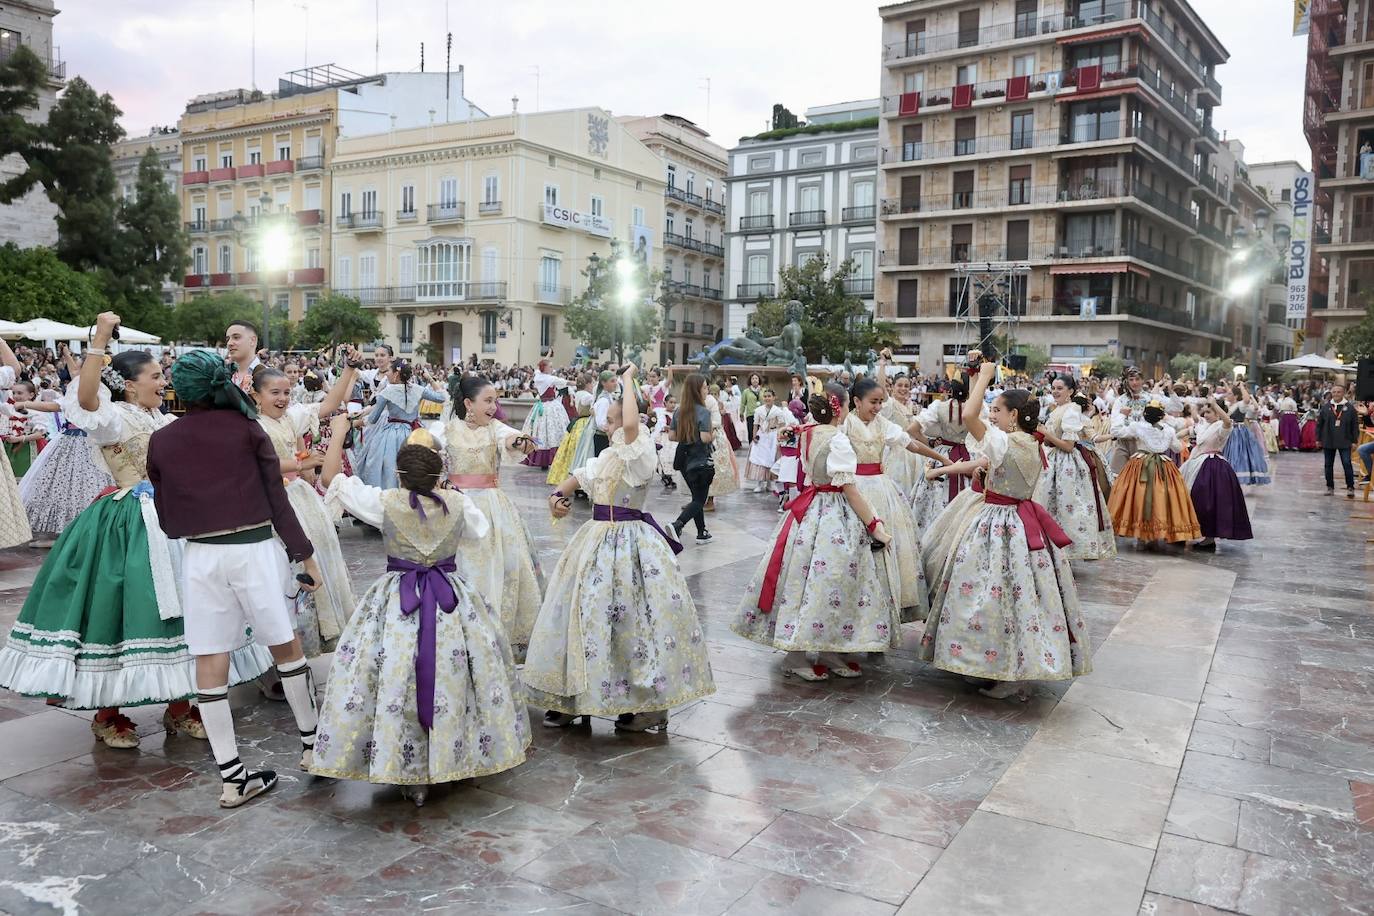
713	206
251	170
360	221
281	167
1212	233
859	214
686	197
689	327
196	281
427	292
196	177
551	295
762	223
309	217
1180	318
222	225
1212	87
806	219
197	225
858	286
451	212
224	174
489	208
308	276
709	293
309	163
752	292
1162	147
971	146
1208	135
224	279
670	325
681	241
923	43
708	331
407	216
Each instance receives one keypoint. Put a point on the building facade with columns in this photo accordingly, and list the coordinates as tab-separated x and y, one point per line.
268	158
479	231
30	220
692	250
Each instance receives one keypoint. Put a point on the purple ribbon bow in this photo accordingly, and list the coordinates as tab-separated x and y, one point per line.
426	589
415	503
604	513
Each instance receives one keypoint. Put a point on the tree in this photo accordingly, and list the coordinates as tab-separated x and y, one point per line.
602	319
335	320
833	322
1108	365
783	119
150	247
203	319
36	284
21	76
1036	358
1184	366
1356	341
768	317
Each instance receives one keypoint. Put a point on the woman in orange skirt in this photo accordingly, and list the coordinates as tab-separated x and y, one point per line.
1149	499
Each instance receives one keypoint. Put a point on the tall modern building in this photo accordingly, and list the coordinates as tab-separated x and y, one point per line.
30	220
1065	149
801	192
267	157
1338	118
471	238
694	227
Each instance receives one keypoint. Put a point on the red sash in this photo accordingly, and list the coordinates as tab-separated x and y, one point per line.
1036	519
957	452
796	510
871	469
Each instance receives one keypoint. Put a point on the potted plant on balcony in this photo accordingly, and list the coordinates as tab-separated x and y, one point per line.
937	100
993	94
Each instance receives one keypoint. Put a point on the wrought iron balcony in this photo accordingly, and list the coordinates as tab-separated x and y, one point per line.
859	214
800	219
754	291
451	212
681	241
551	295
762	223
309	163
489	207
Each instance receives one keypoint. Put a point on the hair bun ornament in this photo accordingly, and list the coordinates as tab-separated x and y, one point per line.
1155	402
423	437
111	377
835	403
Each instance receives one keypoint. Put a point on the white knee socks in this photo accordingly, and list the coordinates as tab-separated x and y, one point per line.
299	685
219	727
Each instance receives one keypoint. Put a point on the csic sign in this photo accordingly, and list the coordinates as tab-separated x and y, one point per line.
1300	246
572	219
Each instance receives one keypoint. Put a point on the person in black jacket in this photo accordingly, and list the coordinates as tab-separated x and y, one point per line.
1337	431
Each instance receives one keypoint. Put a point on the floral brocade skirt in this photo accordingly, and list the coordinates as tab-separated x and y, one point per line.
905	550
1067	492
504	568
63	481
369	721
618	631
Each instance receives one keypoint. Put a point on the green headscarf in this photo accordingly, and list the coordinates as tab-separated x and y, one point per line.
203	377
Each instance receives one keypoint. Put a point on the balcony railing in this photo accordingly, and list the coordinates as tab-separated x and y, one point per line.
198	176
1213	86
681	241
805	218
407	216
222	225
358	221
1212	232
552	295
712	251
197	225
752	291
226	173
195	281
670	325
762	223
971	146
713	206
447	212
709	293
922	43
689	327
859	214
309	217
1161	146
708	331
686	197
281	167
858	286
309	163
251	170
427	292
488	207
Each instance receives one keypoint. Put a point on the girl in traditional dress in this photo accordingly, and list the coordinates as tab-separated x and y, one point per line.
1070	488
820	593
321	614
582	406
1003	604
1307	436
1245	448
769	421
547	422
726	480
503	567
101	627
1149	499
423	687
902	466
618	634
870	434
27	434
65	478
1217	497
1290	431
942	422
395	414
14	526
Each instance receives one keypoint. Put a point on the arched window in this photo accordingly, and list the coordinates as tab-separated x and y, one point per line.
445	267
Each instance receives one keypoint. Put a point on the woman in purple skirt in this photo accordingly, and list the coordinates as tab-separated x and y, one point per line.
1212	482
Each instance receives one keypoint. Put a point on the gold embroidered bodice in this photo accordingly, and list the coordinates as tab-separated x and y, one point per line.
1020	469
1055	422
818	454
897	412
427	541
281	433
470	450
128	458
867	438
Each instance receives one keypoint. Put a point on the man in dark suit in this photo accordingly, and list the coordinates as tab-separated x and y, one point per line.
1337	431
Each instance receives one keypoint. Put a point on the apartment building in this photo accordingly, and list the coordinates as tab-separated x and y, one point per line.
1338	119
31	220
267	158
471	238
128	154
1072	139
797	193
1274	180
692	256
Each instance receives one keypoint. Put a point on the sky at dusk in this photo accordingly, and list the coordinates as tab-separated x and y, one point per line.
629	57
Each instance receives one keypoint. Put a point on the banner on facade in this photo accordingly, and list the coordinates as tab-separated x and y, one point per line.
642	243
1300	246
1202	371
1301	16
590	223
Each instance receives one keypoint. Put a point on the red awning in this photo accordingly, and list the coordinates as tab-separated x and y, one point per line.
1119	267
1086	37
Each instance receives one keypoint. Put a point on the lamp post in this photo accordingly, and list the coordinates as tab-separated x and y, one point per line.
1252	281
272	243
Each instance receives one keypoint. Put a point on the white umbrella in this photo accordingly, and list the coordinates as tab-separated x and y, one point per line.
1310	361
49	331
128	335
11	330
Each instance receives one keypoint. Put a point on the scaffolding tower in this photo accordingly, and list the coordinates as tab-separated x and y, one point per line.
990	303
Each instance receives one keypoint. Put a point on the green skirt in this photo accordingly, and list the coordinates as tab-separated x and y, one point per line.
91	634
20	457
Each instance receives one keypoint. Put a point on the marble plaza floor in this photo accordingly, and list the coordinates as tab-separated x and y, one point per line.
1220	759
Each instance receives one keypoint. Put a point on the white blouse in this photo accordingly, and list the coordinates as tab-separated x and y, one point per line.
364	503
1154	439
104	425
638	461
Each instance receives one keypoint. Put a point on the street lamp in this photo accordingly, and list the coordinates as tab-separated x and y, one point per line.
272	242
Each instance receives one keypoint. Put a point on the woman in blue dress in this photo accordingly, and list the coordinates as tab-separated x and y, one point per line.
394	416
